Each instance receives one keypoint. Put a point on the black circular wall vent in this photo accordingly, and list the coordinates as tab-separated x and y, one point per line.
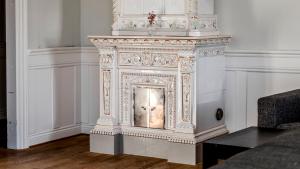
219	114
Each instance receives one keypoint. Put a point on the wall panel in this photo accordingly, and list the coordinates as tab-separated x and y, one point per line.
54	94
255	74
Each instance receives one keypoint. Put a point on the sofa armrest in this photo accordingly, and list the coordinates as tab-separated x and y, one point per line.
279	109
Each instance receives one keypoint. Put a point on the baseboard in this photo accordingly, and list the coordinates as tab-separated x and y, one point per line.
55	135
85	128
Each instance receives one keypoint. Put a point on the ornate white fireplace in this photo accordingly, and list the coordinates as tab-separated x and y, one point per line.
159	95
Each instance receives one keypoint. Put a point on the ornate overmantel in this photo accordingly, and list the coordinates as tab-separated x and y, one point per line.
175	17
189	69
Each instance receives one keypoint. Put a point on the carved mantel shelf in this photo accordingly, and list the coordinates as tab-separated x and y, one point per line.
159	40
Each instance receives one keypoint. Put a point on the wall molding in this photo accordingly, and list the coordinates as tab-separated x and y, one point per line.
54	135
263	61
86	128
54	57
263	53
22	141
49	51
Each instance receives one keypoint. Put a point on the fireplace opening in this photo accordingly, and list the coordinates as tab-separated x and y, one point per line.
149	107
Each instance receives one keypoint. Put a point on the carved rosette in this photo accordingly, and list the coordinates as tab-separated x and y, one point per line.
186	70
106	57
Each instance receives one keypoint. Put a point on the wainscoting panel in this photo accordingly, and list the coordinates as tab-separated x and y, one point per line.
40	101
64	79
54	94
255	74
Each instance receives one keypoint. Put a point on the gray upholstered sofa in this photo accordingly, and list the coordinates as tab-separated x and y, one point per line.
280	110
277	111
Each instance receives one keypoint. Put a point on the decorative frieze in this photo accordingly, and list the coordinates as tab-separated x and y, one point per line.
211	51
142	41
147	58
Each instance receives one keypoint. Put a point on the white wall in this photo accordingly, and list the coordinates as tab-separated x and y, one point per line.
96	19
54	70
53	23
264	56
260	25
63	80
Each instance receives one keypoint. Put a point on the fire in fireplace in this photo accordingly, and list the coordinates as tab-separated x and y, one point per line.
149	107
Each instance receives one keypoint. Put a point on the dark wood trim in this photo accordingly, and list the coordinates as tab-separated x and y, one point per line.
3	123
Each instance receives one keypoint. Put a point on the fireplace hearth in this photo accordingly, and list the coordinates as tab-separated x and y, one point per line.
149	107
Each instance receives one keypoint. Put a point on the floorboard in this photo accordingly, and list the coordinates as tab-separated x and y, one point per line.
73	153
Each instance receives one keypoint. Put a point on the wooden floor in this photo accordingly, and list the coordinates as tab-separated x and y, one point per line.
73	153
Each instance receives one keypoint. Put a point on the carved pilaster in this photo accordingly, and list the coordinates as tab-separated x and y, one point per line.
107	92
107	61
186	73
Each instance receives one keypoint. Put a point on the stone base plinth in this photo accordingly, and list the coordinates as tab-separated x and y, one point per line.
173	152
106	144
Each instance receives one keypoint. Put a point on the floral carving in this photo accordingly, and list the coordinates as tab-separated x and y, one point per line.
148	59
212	51
186	97
157	41
107	92
186	64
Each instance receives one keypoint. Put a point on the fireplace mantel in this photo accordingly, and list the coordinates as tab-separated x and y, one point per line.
101	41
191	70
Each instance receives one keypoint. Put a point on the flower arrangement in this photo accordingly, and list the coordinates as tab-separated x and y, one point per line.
195	23
151	18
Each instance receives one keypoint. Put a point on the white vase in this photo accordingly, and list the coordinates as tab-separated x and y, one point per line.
151	30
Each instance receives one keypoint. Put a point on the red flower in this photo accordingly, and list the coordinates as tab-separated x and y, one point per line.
151	18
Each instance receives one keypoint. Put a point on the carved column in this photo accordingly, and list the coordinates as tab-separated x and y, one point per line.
108	98
186	73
